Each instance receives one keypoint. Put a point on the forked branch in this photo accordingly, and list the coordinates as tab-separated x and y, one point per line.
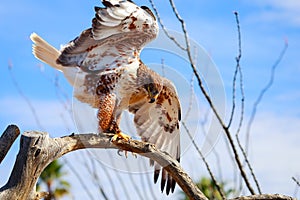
37	150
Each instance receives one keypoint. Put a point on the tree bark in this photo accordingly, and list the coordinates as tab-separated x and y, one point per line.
7	139
37	150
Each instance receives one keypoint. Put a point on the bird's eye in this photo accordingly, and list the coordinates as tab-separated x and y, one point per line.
151	86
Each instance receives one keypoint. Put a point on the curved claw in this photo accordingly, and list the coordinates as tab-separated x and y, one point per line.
120	135
126	153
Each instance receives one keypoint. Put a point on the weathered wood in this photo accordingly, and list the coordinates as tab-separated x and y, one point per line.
7	139
37	150
265	197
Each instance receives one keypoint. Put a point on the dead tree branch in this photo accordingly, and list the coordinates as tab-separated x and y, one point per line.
265	197
7	139
208	99
264	90
37	150
296	181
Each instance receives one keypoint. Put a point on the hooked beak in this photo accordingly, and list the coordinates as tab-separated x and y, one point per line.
153	99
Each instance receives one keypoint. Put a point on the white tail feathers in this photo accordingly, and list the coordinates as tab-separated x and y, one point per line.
43	51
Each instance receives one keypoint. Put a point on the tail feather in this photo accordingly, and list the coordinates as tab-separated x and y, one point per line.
43	51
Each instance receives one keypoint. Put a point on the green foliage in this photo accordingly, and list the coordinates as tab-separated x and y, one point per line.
51	178
209	189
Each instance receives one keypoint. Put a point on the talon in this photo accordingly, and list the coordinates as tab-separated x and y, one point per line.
134	154
120	135
119	152
125	153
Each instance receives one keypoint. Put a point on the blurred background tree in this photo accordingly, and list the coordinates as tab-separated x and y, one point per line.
209	189
52	179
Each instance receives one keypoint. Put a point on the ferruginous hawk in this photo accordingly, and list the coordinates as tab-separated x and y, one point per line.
110	76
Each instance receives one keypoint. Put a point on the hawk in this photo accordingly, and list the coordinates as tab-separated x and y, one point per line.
104	67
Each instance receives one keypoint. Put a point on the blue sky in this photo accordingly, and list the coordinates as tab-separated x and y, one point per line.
274	146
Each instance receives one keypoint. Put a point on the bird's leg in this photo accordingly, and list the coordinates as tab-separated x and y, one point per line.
118	133
107	116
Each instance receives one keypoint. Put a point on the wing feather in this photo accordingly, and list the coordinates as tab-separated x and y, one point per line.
119	30
158	123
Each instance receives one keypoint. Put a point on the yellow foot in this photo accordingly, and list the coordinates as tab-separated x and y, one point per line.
120	135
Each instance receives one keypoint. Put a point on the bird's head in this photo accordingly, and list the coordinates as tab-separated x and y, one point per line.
153	91
150	82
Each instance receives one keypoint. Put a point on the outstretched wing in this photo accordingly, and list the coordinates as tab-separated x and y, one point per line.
158	123
119	31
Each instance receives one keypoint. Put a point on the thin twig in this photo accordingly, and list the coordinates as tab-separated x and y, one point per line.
31	107
137	190
297	187
109	178
204	92
263	91
119	177
97	180
93	173
202	123
150	184
296	181
239	70
86	189
164	28
205	162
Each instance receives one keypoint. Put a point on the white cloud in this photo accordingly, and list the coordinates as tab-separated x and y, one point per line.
50	113
287	12
275	151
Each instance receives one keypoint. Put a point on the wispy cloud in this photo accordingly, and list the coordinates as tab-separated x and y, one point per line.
51	113
286	12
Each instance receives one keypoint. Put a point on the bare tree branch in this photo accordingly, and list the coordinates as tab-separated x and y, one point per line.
296	181
164	28
77	175
205	162
31	107
207	97
37	150
265	197
239	70
263	91
7	139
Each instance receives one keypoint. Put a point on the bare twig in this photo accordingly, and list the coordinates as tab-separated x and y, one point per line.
164	28
296	181
32	109
81	181
238	69
263	91
297	186
248	164
149	183
97	179
206	95
205	162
